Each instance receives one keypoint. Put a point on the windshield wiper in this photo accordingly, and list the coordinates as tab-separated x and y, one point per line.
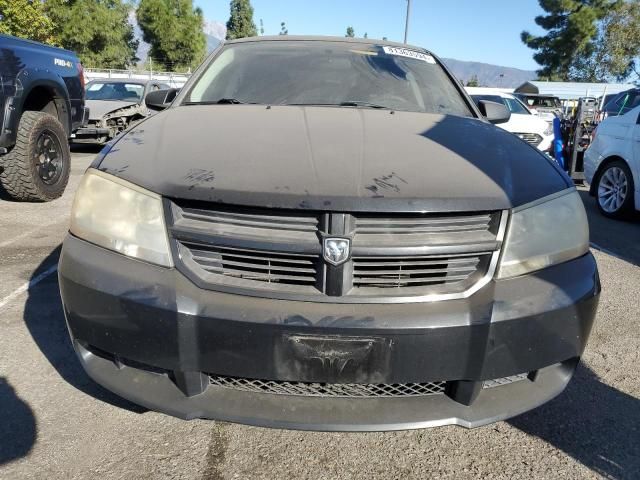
220	101
358	103
348	103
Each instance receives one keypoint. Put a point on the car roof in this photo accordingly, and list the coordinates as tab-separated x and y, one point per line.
122	80
487	91
536	95
319	38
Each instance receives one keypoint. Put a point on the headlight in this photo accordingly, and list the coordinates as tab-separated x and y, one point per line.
549	130
120	216
543	233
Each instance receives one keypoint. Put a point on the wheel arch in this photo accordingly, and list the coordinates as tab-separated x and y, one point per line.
603	164
47	97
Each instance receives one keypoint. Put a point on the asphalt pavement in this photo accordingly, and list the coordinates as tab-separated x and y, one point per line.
56	423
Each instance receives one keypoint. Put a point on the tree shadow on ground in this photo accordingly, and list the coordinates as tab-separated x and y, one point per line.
17	425
44	318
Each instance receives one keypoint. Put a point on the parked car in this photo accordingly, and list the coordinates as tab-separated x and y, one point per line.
612	165
327	233
522	123
622	103
546	107
41	104
115	105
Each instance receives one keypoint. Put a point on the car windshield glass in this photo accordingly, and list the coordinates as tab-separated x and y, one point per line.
328	73
488	98
114	91
516	107
543	102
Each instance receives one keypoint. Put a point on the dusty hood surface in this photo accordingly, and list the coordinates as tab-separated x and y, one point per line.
98	108
337	159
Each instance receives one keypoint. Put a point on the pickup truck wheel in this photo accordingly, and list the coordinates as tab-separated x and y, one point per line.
37	168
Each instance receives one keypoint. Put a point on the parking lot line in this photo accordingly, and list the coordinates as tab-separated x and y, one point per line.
26	286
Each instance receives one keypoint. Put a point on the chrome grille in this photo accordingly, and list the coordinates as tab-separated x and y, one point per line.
247	223
399	272
532	138
277	253
308	389
253	265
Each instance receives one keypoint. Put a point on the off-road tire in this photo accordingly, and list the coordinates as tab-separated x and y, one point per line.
20	175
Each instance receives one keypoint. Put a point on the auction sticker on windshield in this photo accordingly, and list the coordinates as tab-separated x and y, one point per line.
405	52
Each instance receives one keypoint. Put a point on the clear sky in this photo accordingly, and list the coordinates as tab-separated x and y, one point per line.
478	30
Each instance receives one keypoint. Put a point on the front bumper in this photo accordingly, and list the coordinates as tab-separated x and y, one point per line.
92	135
152	336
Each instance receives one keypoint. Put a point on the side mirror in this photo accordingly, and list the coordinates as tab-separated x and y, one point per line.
160	99
494	112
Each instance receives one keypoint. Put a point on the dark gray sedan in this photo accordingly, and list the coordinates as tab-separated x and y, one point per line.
327	233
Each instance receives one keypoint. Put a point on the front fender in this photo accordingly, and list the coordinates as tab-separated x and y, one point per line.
30	79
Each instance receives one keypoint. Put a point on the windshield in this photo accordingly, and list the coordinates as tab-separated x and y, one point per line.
129	92
328	73
512	104
543	102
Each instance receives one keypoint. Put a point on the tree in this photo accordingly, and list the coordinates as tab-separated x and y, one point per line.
261	27
283	29
615	52
240	22
26	19
173	28
366	35
473	81
572	26
97	30
350	32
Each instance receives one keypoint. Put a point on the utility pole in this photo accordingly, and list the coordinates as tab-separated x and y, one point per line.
406	24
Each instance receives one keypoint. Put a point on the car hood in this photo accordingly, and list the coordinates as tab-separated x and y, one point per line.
523	123
331	159
99	108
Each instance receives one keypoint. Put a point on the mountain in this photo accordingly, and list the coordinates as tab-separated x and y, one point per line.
489	75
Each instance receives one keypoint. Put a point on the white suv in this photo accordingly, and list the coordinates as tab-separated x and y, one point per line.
522	123
612	164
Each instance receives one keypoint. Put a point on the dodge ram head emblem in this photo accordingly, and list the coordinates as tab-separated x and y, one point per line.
336	250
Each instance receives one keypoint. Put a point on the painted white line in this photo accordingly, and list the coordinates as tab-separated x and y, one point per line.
607	251
30	284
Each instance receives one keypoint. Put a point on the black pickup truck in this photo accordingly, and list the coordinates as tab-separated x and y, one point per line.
41	104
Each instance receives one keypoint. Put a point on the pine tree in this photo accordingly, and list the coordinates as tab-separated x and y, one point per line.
572	26
473	81
283	29
26	19
616	49
240	22
350	32
97	30
173	28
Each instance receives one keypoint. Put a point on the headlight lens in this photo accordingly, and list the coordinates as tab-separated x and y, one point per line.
120	216
549	130
545	233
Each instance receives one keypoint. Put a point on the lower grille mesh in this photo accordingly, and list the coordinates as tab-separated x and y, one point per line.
328	389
